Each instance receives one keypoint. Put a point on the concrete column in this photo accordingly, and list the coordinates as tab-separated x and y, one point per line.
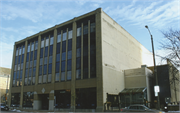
66	54
23	75
37	102
73	78
81	50
38	58
12	74
54	56
89	49
99	74
51	100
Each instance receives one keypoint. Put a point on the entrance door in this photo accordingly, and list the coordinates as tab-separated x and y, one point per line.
45	101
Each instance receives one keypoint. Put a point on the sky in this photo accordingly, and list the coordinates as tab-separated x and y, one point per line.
22	18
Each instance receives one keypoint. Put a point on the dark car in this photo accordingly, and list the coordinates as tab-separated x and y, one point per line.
139	108
4	107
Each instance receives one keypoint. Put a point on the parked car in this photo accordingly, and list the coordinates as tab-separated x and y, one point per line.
4	107
139	108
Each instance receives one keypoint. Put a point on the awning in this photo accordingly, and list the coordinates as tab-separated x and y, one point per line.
133	90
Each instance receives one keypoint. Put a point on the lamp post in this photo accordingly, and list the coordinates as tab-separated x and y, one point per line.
155	69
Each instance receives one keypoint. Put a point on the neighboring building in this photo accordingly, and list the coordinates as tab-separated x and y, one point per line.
74	65
4	83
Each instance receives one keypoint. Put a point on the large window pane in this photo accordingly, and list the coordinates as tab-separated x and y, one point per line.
79	31
85	73
28	49
46	52
57	57
19	59
17	51
50	69
63	56
62	66
41	53
40	79
36	45
59	37
69	62
64	36
69	34
21	65
78	63
78	74
30	72
27	64
85	31
49	77
69	54
35	63
68	75
28	99
50	59
57	77
58	48
62	76
20	51
51	40
85	51
22	58
40	70
41	61
29	80
42	43
31	63
34	72
23	49
93	27
44	78
78	52
35	54
78	42
47	41
27	57
45	60
32	46
33	80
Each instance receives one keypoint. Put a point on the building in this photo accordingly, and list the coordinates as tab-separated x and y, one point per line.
5	74
74	65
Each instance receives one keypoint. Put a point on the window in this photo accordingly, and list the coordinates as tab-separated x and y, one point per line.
59	37
51	50
40	70
64	36
85	51
46	52
29	81
78	63
19	58
22	58
34	72
45	70
93	71
41	61
42	43
36	45
58	48
27	57
31	56
85	73
85	61
78	42
30	72
16	59
62	66
49	77
57	77
31	62
32	46
62	76
35	55
28	50
23	49
17	52
28	99
14	76
68	75
45	60
50	59
64	46
57	57
21	65
15	67
51	40
20	50
79	31
93	27
63	56
85	29
47	41
78	74
50	69
69	65
78	52
34	63
27	64
44	78
69	54
40	79
41	53
26	73
69	44
57	67
70	34
20	76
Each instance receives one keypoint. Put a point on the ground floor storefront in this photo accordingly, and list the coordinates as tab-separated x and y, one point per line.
56	100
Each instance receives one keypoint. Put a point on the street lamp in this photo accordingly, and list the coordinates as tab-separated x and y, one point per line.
155	69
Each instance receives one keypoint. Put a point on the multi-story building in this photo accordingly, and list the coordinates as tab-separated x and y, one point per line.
74	65
4	83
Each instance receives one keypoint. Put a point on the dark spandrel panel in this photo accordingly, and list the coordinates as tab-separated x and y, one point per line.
49	68
46	52
51	50
85	73
69	44
57	67
78	63
63	56
58	48
64	46
78	52
27	57
40	70
85	61
85	51
78	74
78	42
93	71
41	53
45	70
35	55
19	59
57	57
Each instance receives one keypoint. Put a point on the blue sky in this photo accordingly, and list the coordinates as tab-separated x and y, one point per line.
22	18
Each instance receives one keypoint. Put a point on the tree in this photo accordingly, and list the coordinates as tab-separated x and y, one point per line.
171	45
